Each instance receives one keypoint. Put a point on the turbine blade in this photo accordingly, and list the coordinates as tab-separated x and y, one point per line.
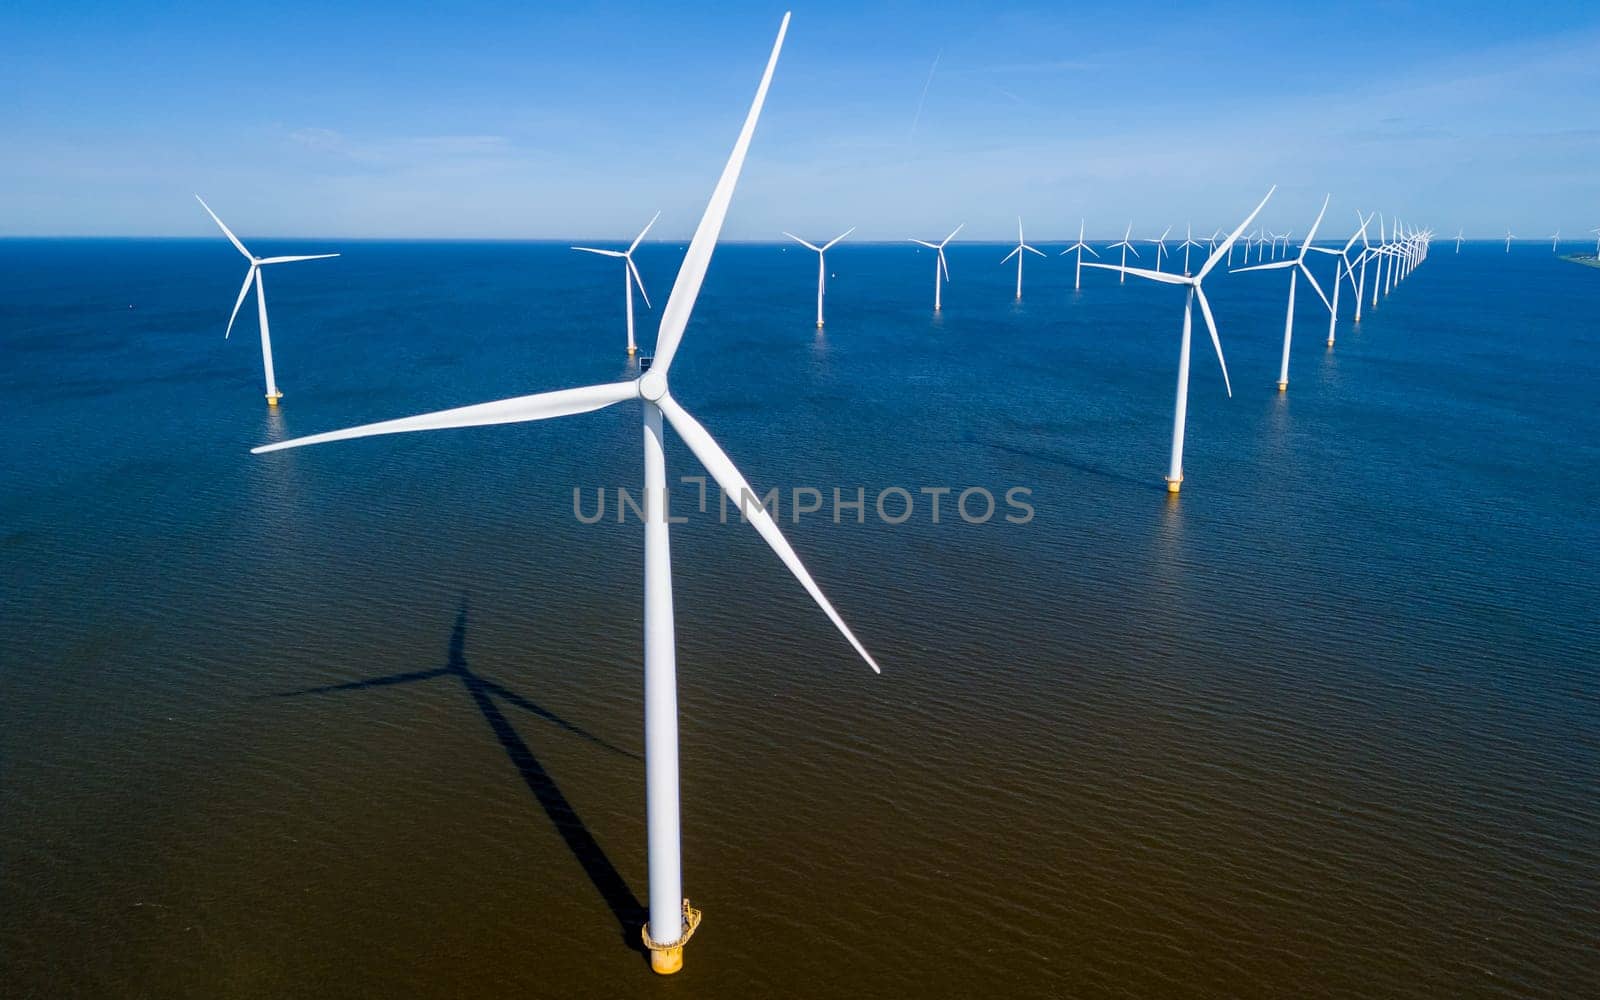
930	246
1313	233
1222	248
637	280
541	406
291	260
249	277
692	273
603	253
808	246
1010	255
225	230
1276	265
1141	272
640	238
1032	250
952	235
1317	287
1216	341
828	245
727	475
944	264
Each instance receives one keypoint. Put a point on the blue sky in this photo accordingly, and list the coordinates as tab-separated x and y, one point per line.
527	121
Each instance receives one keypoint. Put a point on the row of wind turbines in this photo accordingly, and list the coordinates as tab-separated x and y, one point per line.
1555	241
671	920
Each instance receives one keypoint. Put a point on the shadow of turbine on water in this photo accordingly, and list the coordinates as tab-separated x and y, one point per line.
487	697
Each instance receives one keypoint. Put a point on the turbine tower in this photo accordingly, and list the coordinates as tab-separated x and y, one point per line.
1017	253
1180	410
672	921
253	277
822	270
630	275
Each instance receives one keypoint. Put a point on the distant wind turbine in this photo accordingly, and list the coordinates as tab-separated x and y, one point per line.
1161	246
1509	238
1189	241
822	271
630	275
671	920
1180	410
1342	269
1458	239
1126	245
1554	240
1296	266
1017	253
253	276
1080	246
941	270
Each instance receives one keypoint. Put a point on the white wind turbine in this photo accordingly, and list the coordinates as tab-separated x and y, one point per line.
1126	245
1296	266
671	919
941	270
1554	240
253	277
1188	242
1596	243
1458	239
1509	238
1017	253
822	271
630	275
1080	247
1180	412
1342	268
1367	253
1161	246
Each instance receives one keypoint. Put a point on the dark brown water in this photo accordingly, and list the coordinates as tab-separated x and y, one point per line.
366	720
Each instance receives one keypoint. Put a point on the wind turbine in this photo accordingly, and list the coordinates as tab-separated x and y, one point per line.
1017	253
941	270
672	921
630	275
1596	243
1366	253
822	271
253	276
1555	240
1342	268
1509	238
1126	245
1080	246
1296	266
1180	410
1161	246
1189	241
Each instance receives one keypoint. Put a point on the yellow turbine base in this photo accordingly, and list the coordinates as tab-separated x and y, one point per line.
1283	387
1173	484
666	961
1330	341
632	351
667	957
273	400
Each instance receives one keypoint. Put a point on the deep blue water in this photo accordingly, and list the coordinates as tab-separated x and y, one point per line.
1327	725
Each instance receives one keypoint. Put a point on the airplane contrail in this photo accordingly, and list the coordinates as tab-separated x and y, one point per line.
923	99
